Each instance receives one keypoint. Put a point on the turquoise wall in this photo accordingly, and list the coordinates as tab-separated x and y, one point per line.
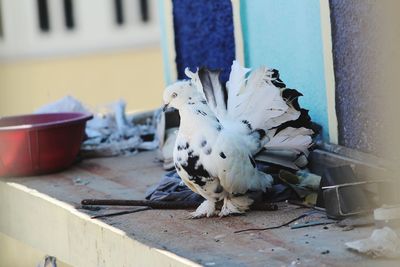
164	42
286	35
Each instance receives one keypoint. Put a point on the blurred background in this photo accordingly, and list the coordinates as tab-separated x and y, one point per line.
95	50
342	55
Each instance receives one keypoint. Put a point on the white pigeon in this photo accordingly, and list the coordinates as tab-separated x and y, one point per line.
222	128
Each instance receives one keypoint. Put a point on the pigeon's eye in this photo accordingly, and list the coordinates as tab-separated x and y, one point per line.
174	95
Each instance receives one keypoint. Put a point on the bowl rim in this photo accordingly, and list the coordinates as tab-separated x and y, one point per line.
79	118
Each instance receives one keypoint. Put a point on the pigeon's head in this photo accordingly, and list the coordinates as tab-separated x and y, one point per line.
179	93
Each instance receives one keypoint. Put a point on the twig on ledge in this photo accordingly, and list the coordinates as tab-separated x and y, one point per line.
272	227
158	204
119	213
145	203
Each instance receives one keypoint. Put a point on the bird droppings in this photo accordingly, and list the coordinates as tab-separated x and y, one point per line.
348	228
325	252
219	237
326	227
165	231
80	181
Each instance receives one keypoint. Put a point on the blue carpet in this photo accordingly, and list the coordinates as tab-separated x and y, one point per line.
204	35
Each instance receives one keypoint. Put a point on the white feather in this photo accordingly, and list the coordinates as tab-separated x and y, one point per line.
297	139
195	79
259	94
237	79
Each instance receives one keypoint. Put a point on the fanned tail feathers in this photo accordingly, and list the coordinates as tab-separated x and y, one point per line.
262	101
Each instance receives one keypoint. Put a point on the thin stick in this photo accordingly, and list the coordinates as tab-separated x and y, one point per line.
146	203
120	213
272	227
158	204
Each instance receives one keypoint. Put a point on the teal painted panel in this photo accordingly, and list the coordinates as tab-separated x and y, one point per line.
164	42
286	35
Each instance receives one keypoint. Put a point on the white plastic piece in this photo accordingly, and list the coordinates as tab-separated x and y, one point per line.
382	243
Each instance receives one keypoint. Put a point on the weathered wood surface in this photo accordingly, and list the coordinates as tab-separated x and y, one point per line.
209	241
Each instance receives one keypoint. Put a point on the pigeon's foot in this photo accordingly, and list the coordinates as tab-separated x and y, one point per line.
206	209
235	206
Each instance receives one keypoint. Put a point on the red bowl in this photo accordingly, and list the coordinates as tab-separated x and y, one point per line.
40	143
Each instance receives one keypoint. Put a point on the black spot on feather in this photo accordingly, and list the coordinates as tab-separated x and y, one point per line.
260	132
222	155
208	151
203	102
183	147
196	171
278	83
203	143
291	97
247	124
201	112
219	189
275	73
304	120
219	127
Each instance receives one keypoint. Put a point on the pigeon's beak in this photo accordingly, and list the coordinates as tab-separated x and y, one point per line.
166	106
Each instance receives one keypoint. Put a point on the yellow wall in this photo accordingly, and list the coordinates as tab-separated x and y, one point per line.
135	76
